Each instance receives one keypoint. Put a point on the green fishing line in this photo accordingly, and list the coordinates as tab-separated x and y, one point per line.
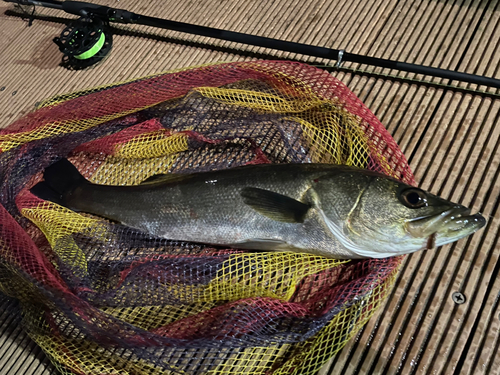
92	51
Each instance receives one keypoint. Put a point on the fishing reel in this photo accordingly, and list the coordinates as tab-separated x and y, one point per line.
84	42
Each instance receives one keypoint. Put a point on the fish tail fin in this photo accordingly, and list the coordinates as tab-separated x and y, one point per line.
60	179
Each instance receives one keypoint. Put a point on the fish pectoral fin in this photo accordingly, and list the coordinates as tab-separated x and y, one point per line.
275	206
163	178
265	244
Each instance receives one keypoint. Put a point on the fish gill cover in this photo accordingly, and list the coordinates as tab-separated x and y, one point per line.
101	298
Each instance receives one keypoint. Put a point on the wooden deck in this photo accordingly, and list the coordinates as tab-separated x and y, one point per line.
450	136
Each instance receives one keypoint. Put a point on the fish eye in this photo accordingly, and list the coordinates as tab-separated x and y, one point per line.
413	198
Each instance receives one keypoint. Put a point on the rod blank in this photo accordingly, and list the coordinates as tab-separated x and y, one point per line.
123	16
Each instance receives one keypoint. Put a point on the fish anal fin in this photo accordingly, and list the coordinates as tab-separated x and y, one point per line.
263	244
274	205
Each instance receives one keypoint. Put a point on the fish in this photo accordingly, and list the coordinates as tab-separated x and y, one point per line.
333	211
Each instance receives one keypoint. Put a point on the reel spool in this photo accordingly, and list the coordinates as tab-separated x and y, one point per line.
84	42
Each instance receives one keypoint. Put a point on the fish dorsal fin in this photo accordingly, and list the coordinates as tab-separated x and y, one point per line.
164	178
275	206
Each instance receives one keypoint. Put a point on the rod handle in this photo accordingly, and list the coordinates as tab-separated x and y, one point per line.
81	8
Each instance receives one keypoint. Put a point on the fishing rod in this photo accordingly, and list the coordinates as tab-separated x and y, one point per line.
88	40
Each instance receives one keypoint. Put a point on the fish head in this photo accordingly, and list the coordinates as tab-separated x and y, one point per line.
383	217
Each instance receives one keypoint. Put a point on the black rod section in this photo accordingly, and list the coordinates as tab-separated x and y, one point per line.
81	8
233	36
47	4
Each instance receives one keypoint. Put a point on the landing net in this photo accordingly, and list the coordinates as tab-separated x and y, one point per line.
100	298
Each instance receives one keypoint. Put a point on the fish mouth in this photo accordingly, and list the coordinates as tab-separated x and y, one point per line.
460	219
448	226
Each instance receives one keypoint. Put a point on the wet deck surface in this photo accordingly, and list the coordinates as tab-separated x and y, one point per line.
449	135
